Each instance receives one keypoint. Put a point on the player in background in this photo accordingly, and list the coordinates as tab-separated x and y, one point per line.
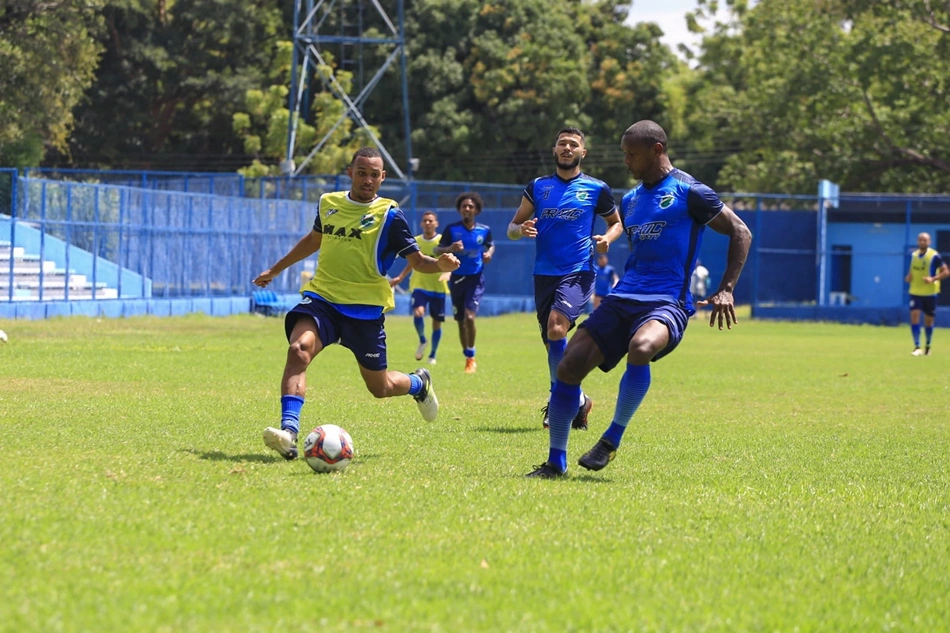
698	282
605	278
559	211
358	236
472	243
644	318
927	268
426	289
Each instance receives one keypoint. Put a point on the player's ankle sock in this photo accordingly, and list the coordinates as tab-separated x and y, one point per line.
290	407
561	411
469	352
415	384
928	333
633	387
915	331
420	324
555	354
558	459
436	338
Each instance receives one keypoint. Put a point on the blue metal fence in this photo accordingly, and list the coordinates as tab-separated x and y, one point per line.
165	234
124	242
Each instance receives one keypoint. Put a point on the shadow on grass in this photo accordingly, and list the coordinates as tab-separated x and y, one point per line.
508	429
219	456
357	461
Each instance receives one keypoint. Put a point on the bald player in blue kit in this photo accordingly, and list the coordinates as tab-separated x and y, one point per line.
646	315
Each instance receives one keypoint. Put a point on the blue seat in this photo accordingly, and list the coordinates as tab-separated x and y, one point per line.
267	303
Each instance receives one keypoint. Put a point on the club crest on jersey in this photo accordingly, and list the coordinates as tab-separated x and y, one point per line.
367	221
648	231
583	196
667	201
479	240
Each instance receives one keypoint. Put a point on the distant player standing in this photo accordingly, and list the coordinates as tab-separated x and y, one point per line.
427	289
358	235
472	243
605	279
645	316
927	268
559	210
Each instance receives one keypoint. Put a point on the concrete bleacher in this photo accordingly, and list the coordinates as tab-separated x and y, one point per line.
34	279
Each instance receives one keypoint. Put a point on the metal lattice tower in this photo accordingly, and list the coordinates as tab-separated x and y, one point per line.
341	24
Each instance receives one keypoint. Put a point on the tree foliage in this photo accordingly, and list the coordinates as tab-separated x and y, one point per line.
48	56
849	90
173	73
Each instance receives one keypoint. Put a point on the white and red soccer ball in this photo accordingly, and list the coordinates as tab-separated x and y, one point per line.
328	448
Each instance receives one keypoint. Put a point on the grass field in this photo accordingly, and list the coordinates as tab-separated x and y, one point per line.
779	477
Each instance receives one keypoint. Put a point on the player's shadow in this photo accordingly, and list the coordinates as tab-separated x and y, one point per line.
220	456
508	430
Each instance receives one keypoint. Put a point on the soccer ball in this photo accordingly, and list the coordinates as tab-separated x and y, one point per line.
328	448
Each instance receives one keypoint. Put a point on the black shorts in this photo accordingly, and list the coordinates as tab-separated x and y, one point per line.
927	304
366	338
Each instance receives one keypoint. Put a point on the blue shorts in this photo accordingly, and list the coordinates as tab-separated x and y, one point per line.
467	291
616	320
927	304
568	294
435	301
366	338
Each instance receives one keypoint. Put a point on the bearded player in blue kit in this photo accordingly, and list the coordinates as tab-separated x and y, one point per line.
559	211
646	315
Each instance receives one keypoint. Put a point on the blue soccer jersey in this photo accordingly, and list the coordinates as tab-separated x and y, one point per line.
476	241
665	225
565	212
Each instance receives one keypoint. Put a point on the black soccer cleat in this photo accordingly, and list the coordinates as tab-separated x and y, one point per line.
546	471
544	417
927	351
580	420
598	457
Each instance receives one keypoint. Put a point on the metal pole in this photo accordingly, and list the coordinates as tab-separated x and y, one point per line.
405	94
756	268
69	216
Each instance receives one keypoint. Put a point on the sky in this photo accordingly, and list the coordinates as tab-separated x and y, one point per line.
669	16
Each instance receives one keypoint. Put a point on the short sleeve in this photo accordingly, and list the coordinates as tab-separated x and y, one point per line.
702	203
935	264
529	191
488	239
318	224
401	241
605	202
446	239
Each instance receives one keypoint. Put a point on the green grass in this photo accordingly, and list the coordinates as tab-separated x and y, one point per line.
779	477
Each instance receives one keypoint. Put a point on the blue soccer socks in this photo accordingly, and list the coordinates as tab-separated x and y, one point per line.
420	324
290	407
561	411
915	331
436	339
415	384
633	387
555	354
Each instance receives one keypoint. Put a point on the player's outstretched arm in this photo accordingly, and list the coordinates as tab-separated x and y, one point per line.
307	246
942	273
740	239
446	263
395	281
522	225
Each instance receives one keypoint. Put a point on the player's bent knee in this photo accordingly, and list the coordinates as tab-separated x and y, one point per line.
300	353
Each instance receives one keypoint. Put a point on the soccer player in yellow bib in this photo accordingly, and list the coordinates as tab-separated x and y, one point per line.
358	236
926	270
426	289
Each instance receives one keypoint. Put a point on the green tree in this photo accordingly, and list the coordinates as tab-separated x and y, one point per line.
172	74
853	91
263	126
48	56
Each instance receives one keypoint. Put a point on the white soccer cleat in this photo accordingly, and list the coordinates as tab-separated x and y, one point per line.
432	360
420	351
284	442
426	399
917	352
